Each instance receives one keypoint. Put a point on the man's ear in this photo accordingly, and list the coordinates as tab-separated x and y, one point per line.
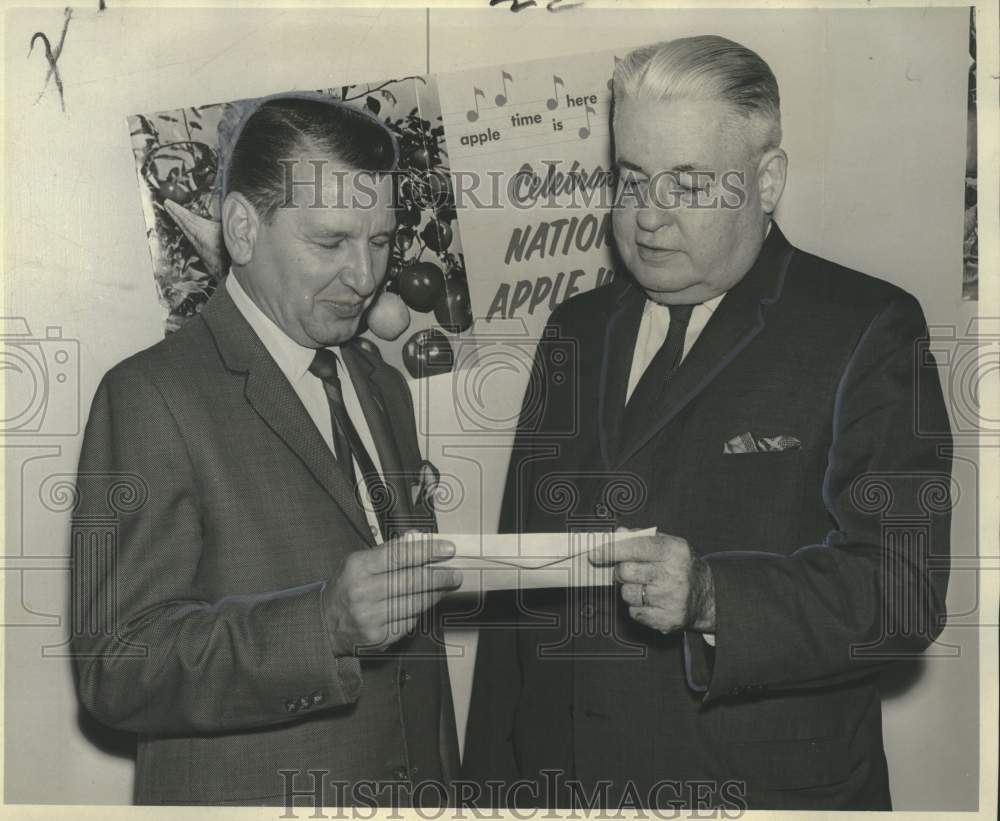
771	171
240	223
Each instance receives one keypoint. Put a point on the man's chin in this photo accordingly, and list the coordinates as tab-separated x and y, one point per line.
662	281
328	333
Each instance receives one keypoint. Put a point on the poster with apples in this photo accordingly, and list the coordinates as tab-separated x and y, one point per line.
180	156
504	190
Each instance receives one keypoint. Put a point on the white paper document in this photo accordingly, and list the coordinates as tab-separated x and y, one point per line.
510	561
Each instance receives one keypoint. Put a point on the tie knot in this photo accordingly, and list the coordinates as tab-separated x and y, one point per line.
680	313
324	365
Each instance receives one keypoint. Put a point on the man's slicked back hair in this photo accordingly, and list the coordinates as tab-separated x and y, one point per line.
300	129
707	67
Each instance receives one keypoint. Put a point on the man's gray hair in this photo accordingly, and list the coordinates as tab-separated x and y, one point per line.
708	67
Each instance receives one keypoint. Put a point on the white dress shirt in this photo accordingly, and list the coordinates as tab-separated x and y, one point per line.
294	360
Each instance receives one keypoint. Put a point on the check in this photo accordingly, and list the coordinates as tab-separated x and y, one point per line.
509	561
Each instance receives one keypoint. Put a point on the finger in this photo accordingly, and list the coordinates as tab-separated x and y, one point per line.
632	594
410	550
639	572
410	580
641	549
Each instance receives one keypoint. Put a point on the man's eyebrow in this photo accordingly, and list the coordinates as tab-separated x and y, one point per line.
681	168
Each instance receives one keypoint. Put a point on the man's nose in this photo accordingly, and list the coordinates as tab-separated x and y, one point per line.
359	272
653	214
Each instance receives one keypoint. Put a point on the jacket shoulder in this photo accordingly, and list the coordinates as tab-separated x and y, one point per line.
175	359
824	285
590	305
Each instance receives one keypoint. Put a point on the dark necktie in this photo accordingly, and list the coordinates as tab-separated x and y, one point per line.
346	440
660	368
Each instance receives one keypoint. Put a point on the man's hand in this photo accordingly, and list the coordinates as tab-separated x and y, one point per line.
678	585
381	591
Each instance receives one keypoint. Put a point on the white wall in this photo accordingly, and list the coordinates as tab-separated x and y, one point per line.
874	108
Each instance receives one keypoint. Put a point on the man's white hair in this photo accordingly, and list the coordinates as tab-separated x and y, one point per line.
708	67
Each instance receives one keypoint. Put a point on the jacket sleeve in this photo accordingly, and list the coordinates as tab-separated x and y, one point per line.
150	653
875	588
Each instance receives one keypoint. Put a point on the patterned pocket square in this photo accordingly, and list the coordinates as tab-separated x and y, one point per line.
748	443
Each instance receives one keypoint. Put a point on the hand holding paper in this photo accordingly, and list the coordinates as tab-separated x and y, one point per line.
533	560
666	584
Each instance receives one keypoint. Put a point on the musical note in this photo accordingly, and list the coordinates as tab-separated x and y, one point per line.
585	130
553	101
473	115
611	81
501	99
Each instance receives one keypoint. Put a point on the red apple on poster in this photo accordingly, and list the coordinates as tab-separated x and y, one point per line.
427	353
420	285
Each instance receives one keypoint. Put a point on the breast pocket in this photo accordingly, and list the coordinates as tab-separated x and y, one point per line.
755	497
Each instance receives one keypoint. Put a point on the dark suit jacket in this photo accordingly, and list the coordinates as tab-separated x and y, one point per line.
828	560
211	514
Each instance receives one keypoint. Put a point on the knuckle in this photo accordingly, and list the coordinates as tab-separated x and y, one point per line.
373	634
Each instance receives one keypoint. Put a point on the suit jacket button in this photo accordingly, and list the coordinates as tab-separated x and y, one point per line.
291	706
588	612
401	774
404	677
317	697
601	509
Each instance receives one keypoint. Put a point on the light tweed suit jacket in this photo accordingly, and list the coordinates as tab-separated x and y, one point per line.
210	516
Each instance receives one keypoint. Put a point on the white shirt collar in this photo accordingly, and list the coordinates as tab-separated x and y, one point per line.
292	358
710	305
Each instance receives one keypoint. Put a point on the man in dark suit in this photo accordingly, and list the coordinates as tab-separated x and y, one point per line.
758	405
257	613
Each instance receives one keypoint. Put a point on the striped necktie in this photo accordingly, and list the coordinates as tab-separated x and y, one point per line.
346	440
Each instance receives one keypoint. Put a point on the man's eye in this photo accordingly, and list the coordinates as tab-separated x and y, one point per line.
331	245
689	185
380	243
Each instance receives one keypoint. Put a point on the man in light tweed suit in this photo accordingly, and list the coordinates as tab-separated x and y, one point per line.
261	620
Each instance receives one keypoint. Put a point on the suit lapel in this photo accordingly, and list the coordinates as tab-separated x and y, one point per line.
269	393
738	319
